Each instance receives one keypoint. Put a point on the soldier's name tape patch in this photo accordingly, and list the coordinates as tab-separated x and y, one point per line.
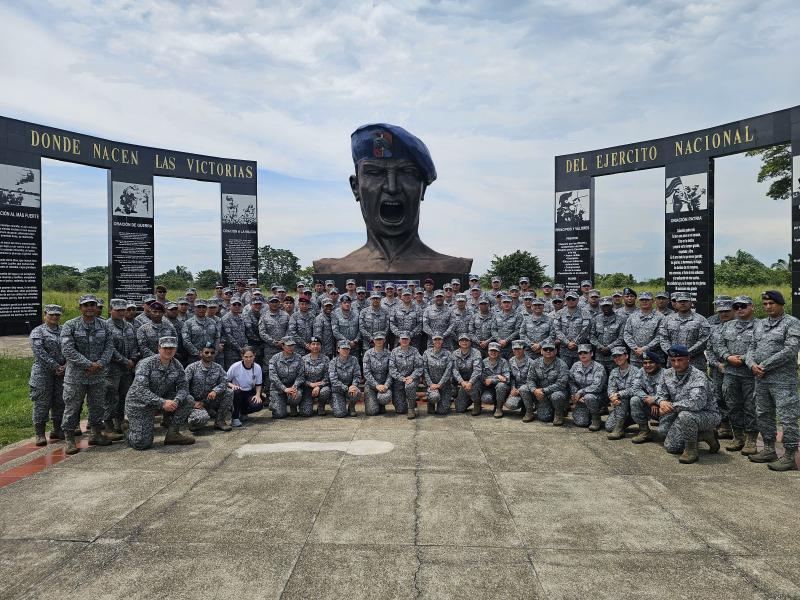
355	447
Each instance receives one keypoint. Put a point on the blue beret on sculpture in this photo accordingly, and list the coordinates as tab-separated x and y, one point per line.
381	140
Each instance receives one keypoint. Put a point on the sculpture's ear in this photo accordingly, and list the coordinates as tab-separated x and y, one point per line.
354	186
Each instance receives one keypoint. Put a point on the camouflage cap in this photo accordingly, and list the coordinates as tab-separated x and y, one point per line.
288	340
464	336
724	306
661	295
682	297
120	304
52	309
328	302
87	299
461	297
606	301
236	299
147	298
404	335
349	281
619	350
438	293
170	306
200	303
343	344
378	336
743	300
538	301
548	343
131	305
168	341
494	346
517	344
547	284
645	296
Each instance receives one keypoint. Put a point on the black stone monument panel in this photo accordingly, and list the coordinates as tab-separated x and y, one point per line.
239	218
795	215
574	233
689	239
131	244
20	243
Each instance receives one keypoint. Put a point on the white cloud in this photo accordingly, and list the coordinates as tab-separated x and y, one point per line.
495	91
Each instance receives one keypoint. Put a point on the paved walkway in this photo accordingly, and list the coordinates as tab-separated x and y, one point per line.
461	507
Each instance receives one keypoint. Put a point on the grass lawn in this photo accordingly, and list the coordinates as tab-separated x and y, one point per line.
15	405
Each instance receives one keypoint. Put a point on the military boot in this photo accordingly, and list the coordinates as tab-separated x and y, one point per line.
412	412
56	433
476	408
176	438
558	418
71	447
787	462
118	425
689	455
738	440
596	424
320	409
767	455
97	438
643	435
220	423
530	414
431	407
110	433
166	420
710	438
724	431
618	432
351	407
750	439
498	410
41	440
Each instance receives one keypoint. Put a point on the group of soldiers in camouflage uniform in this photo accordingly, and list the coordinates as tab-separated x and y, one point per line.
642	359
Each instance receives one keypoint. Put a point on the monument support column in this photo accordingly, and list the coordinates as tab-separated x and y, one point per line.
795	172
574	231
239	221
689	231
20	239
131	239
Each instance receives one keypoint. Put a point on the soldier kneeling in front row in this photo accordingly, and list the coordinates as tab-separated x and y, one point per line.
160	383
687	407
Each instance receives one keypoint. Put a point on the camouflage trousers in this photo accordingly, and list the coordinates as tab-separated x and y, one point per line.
339	402
781	398
117	385
141	426
522	399
373	399
74	393
740	397
465	398
585	409
404	395
279	403
441	398
640	412
719	396
323	398
495	393
221	405
48	400
678	428
621	412
547	407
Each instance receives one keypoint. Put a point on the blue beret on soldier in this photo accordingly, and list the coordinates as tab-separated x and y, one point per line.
677	350
382	140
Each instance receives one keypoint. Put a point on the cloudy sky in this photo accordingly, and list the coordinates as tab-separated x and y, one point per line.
495	89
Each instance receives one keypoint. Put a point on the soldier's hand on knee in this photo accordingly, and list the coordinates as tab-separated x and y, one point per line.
169	406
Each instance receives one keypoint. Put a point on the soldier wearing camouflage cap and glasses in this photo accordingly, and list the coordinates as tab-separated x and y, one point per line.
47	375
159	384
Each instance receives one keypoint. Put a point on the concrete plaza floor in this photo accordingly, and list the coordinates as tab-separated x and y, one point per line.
461	507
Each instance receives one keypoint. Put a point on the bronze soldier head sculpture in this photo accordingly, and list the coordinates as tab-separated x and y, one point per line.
393	169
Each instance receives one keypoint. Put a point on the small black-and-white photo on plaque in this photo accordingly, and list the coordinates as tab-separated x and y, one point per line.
686	193
133	200
20	186
572	208
238	209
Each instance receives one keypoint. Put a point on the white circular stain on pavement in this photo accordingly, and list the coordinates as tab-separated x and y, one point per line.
356	447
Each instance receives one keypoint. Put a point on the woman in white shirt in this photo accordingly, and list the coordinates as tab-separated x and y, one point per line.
245	379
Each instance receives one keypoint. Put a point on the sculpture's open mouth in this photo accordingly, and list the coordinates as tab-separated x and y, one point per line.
391	212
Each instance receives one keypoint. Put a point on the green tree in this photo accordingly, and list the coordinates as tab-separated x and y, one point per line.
511	267
95	278
207	278
53	270
277	265
306	275
776	167
175	279
615	280
743	269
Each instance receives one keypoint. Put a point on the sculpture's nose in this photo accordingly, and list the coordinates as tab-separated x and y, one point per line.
391	181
